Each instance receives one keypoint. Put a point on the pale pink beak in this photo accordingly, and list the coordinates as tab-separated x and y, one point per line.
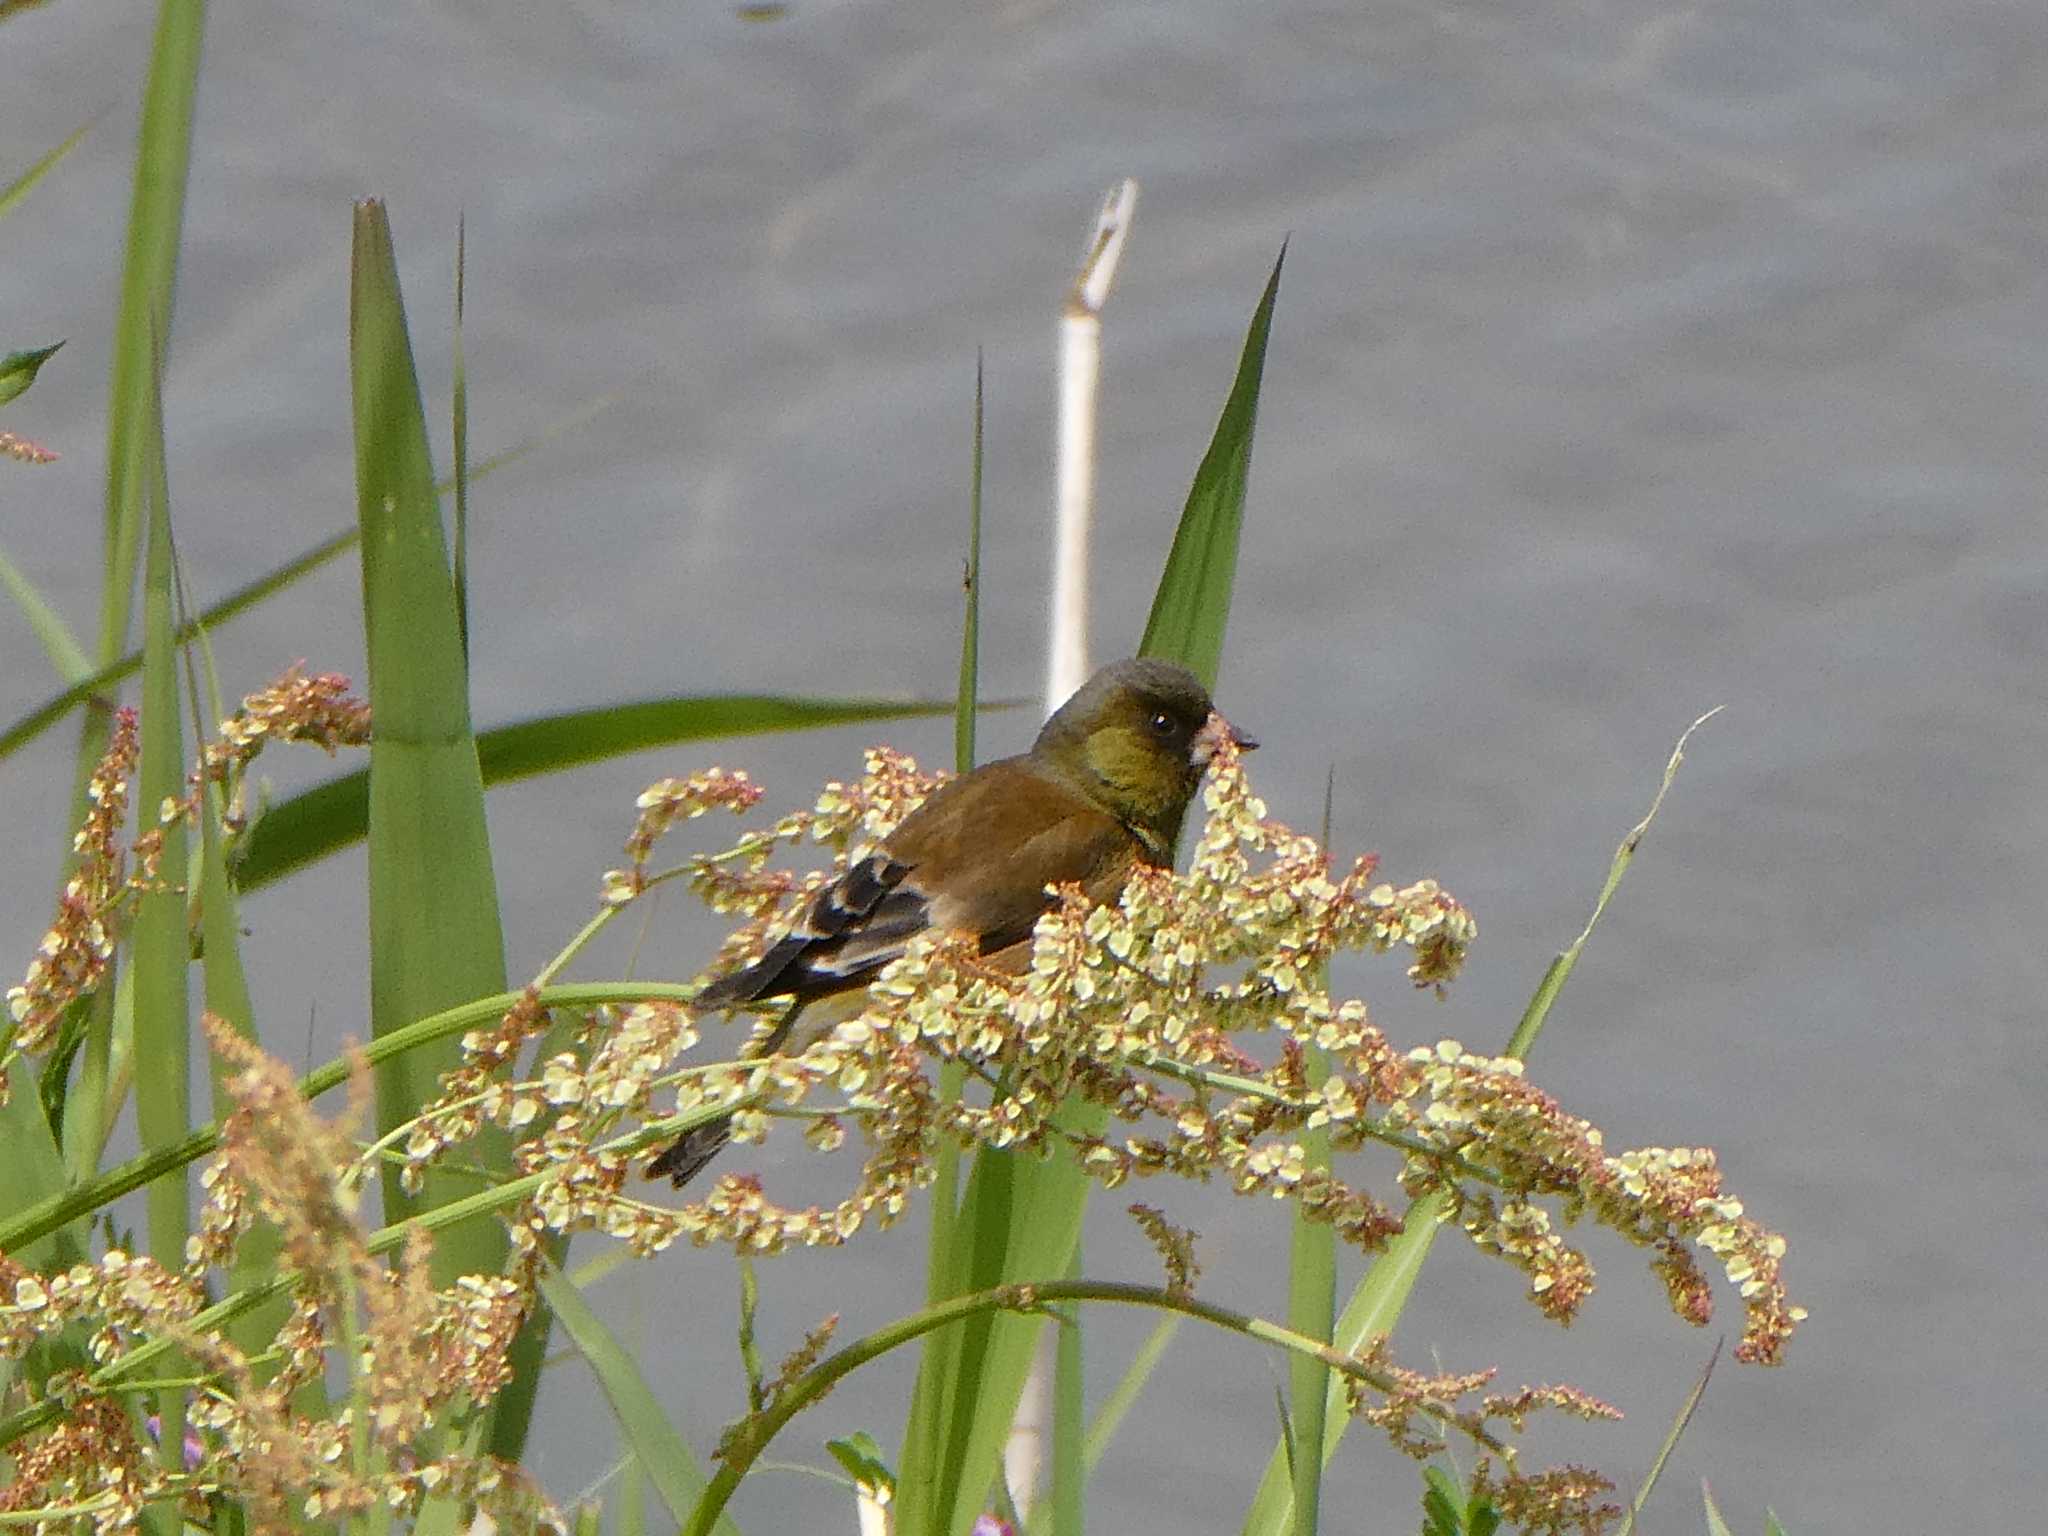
1214	732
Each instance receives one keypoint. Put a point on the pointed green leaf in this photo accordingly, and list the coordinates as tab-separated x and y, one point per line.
435	938
1376	1305
18	370
142	337
1021	1220
57	640
1192	606
50	711
35	1170
89	684
162	946
1716	1526
25	183
314	823
669	1462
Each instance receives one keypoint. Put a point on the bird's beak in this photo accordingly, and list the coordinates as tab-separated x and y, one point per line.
1214	732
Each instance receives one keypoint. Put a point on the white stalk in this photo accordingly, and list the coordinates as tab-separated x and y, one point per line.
1080	378
1067	648
874	1514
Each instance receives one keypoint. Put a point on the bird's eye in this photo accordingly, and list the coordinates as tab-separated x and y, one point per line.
1162	724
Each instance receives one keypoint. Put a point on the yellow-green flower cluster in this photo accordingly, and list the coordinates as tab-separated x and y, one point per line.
1143	1007
1481	1111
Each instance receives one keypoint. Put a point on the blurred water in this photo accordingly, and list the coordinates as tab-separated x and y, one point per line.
1630	359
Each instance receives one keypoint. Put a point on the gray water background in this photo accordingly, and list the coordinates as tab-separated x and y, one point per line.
1630	359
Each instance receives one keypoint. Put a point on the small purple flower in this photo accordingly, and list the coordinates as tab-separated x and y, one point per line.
195	1451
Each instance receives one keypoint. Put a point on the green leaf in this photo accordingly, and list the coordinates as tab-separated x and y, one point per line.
460	412
1021	1219
970	620
1442	1501
1069	1470
1376	1305
1716	1526
35	1171
435	934
50	711
1192	606
91	684
667	1458
313	824
1374	1308
18	370
142	343
162	947
1111	1414
227	998
1671	1439
1311	1307
57	640
1771	1525
25	183
142	337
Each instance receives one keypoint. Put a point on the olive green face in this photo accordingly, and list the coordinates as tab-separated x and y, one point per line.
1133	735
1143	751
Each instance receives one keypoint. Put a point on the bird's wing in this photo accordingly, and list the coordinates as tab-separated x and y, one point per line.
976	858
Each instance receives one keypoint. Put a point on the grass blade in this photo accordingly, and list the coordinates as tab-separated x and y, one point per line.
970	623
35	1171
25	183
460	410
142	338
1109	1418
1069	1422
50	711
435	934
1716	1526
1678	1425
662	1452
310	825
162	947
58	643
944	1274
1560	969
1192	606
91	684
1375	1307
1022	1219
434	931
226	988
1311	1308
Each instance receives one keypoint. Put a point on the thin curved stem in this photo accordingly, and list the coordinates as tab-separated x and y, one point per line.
745	1446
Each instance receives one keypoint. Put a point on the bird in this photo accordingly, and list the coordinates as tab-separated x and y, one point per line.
1104	789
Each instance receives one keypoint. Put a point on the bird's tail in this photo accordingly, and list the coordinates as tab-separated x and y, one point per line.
685	1157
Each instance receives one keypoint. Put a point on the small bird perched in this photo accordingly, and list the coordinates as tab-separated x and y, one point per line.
1103	789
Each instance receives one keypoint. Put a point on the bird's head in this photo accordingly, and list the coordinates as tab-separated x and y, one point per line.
1136	738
